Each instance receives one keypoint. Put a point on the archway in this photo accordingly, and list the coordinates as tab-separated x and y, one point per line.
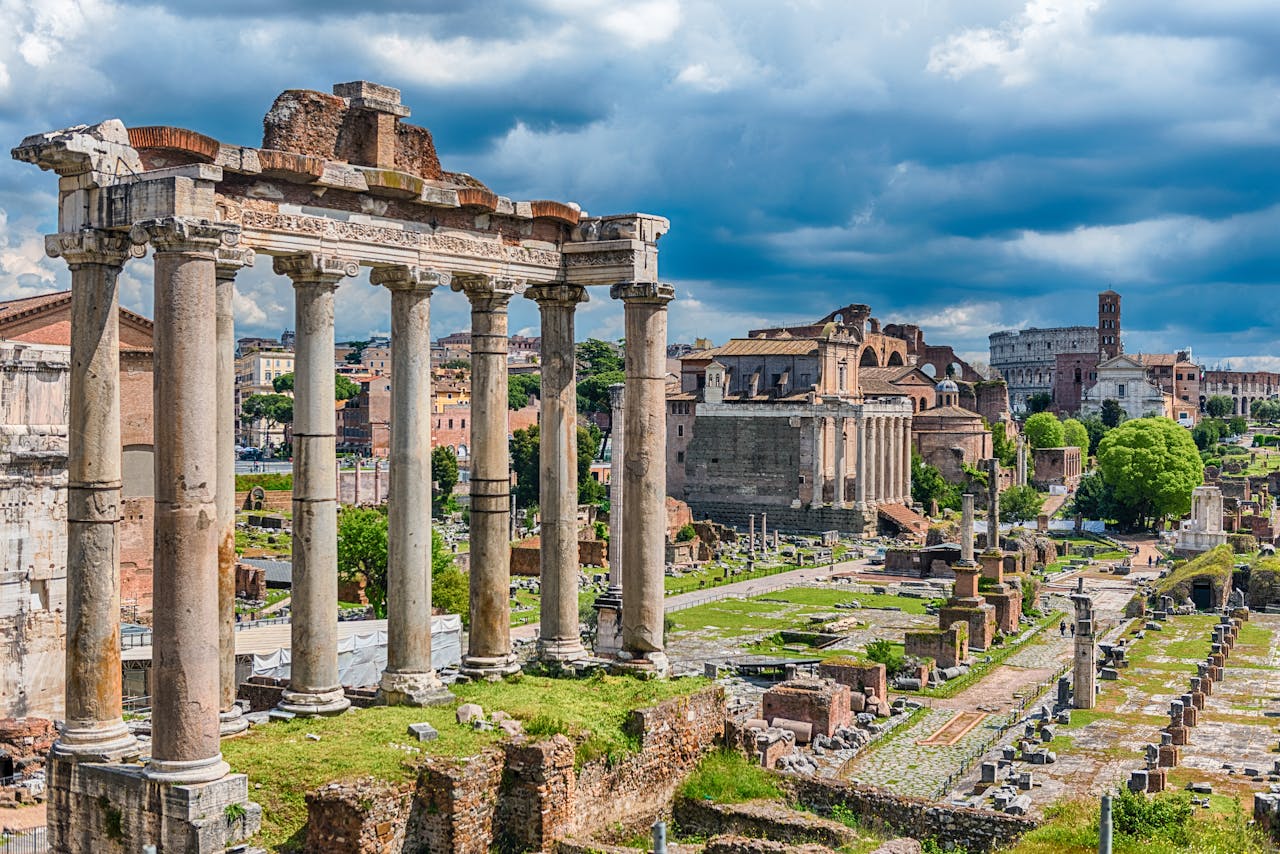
868	359
929	371
895	360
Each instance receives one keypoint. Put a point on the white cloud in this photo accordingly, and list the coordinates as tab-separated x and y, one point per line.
1044	29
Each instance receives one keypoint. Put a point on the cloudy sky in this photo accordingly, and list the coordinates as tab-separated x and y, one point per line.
968	165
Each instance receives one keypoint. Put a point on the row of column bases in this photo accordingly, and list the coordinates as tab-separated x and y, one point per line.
883	465
193	668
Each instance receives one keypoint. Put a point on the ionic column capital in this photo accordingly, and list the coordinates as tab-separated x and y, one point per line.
184	234
650	292
91	246
557	294
491	292
406	278
315	268
231	260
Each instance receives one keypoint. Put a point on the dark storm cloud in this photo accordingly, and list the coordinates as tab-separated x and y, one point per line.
965	165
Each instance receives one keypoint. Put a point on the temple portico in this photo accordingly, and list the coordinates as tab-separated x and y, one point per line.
329	192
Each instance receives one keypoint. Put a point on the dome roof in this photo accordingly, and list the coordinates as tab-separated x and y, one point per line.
947	385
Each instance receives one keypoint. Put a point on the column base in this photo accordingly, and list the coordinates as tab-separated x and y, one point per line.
413	689
189	772
557	651
232	722
307	704
489	669
647	664
104	741
608	623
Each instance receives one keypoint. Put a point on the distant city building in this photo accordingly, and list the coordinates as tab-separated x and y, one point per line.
1124	379
376	360
256	372
1028	359
363	423
1243	387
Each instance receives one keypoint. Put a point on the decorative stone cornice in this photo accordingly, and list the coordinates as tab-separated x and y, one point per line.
489	292
651	292
557	294
231	260
91	246
314	268
404	278
183	234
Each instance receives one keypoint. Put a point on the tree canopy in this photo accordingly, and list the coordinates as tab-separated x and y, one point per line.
1096	430
343	388
1002	446
1020	503
1044	430
593	392
1074	434
1219	406
1151	465
444	472
362	553
597	357
520	387
928	485
1267	411
524	461
272	408
1039	402
1112	414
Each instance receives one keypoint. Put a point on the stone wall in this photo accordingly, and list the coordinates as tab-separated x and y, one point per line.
522	795
972	829
525	555
784	518
947	647
859	676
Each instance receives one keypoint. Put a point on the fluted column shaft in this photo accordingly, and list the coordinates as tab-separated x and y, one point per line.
185	672
644	485
838	496
409	678
860	482
617	442
966	529
816	500
489	635
229	262
314	688
906	460
94	725
559	639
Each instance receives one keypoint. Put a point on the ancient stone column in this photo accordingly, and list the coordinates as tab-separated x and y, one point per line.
906	460
1084	661
559	639
966	529
94	726
229	261
993	505
816	499
489	636
764	532
838	497
1022	461
893	448
751	534
617	443
644	484
878	456
186	665
409	679
314	688
861	428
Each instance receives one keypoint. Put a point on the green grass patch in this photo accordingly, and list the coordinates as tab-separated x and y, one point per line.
269	481
728	777
825	598
283	765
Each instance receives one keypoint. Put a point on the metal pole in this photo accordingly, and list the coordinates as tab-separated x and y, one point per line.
660	837
1104	826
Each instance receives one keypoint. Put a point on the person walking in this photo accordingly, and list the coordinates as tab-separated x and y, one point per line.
1062	628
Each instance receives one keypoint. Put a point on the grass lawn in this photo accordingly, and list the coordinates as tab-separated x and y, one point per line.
829	598
283	765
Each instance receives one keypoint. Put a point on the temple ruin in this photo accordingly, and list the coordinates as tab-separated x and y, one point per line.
340	182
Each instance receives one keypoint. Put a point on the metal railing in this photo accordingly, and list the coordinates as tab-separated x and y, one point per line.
33	841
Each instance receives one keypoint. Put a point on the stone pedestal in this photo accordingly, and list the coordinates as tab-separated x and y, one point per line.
1007	601
1156	780
96	807
1170	756
977	615
1085	655
992	565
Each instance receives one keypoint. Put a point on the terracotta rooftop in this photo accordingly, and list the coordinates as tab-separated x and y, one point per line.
766	347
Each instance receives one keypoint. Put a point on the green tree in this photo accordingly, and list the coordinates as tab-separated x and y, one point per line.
1093	498
1267	411
1002	446
1039	402
362	553
1112	414
593	392
343	388
520	387
524	462
1238	425
1219	406
1205	434
1074	434
444	473
275	409
1096	429
928	485
458	364
357	352
590	490
685	534
597	357
1044	430
1151	464
1020	503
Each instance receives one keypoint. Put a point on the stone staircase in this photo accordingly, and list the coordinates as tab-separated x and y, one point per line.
908	522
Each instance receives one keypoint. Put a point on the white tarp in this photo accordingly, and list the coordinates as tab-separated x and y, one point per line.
363	657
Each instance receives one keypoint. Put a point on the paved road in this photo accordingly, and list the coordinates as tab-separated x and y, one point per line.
273	466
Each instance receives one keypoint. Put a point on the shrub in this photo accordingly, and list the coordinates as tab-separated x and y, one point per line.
728	777
1142	818
686	534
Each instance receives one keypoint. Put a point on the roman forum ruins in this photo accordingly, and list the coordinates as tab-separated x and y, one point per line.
340	183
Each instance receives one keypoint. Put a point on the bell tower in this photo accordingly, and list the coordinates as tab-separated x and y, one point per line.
1109	344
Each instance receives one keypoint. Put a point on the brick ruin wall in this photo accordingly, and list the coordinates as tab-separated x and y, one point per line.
540	796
